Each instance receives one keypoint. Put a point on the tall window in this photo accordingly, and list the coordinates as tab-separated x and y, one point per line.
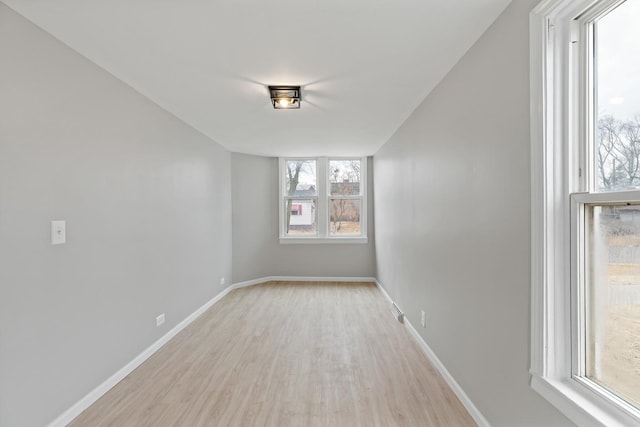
611	226
586	201
323	200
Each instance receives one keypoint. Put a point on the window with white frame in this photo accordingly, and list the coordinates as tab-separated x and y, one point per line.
585	58
323	200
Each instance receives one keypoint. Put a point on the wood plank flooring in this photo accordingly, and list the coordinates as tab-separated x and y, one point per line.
286	354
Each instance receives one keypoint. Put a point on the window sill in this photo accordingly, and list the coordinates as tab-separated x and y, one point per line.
579	403
323	240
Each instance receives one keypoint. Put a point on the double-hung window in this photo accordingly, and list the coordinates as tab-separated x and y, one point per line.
323	200
585	58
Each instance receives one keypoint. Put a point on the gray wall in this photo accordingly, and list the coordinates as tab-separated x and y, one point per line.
452	199
147	202
256	250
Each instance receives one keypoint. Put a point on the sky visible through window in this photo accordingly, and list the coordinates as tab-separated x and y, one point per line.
307	174
617	83
618	44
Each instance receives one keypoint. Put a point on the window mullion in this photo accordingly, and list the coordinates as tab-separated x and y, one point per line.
323	203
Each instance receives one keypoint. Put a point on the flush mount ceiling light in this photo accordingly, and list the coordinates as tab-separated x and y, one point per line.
285	97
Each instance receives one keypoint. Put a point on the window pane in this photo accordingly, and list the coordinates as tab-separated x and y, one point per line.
301	217
344	216
344	177
617	151
300	178
613	299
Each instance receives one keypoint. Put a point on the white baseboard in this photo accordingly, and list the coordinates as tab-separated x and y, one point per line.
383	292
301	279
250	283
464	399
67	416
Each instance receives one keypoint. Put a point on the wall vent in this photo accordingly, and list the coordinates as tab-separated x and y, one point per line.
397	313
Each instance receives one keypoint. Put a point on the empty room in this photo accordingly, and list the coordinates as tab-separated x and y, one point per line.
305	213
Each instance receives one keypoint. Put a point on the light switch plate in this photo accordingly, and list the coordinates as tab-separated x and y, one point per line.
58	232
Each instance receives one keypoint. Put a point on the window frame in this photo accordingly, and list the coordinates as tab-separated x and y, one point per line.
562	97
323	197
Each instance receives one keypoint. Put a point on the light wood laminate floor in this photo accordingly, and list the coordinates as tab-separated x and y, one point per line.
286	354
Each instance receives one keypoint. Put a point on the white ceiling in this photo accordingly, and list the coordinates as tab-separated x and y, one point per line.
364	65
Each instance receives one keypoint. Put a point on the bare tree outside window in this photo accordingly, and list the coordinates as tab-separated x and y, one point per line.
301	191
617	154
344	197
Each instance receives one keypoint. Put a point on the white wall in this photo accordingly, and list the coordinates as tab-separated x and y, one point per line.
147	202
452	200
256	249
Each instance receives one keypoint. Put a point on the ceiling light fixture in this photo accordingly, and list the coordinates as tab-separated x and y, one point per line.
285	97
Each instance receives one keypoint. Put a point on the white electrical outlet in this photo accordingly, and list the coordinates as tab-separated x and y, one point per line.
160	320
222	280
423	320
58	232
